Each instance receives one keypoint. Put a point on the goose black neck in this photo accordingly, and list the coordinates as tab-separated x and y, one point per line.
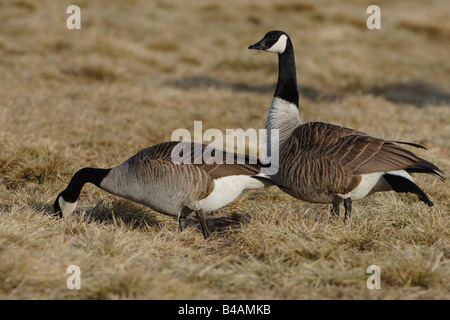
83	176
287	78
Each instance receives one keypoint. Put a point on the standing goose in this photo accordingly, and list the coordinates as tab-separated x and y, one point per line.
325	163
153	179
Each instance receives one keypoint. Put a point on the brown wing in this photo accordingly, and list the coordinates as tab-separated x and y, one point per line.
146	176
365	154
229	163
323	159
355	150
313	136
205	158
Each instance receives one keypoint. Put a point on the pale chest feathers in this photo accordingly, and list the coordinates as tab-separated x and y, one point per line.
283	116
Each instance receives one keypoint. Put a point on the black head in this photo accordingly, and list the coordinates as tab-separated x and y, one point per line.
273	41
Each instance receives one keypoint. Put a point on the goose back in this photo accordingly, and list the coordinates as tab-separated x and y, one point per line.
151	178
159	184
321	160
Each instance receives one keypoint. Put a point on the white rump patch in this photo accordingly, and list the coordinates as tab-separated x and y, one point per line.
373	182
280	45
401	173
227	189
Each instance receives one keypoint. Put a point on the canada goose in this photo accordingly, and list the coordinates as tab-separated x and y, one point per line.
325	163
153	179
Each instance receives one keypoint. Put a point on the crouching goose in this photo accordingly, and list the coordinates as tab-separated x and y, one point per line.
152	178
325	163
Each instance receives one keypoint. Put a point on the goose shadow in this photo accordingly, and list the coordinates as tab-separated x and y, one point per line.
141	218
417	92
220	224
100	213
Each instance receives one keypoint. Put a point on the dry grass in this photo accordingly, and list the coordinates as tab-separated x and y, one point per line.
137	70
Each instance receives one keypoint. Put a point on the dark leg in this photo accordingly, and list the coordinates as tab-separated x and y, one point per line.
201	217
335	210
182	223
348	208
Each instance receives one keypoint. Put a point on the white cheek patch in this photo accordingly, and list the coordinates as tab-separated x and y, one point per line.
280	45
67	207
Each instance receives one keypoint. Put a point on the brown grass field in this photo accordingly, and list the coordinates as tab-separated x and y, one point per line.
137	70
